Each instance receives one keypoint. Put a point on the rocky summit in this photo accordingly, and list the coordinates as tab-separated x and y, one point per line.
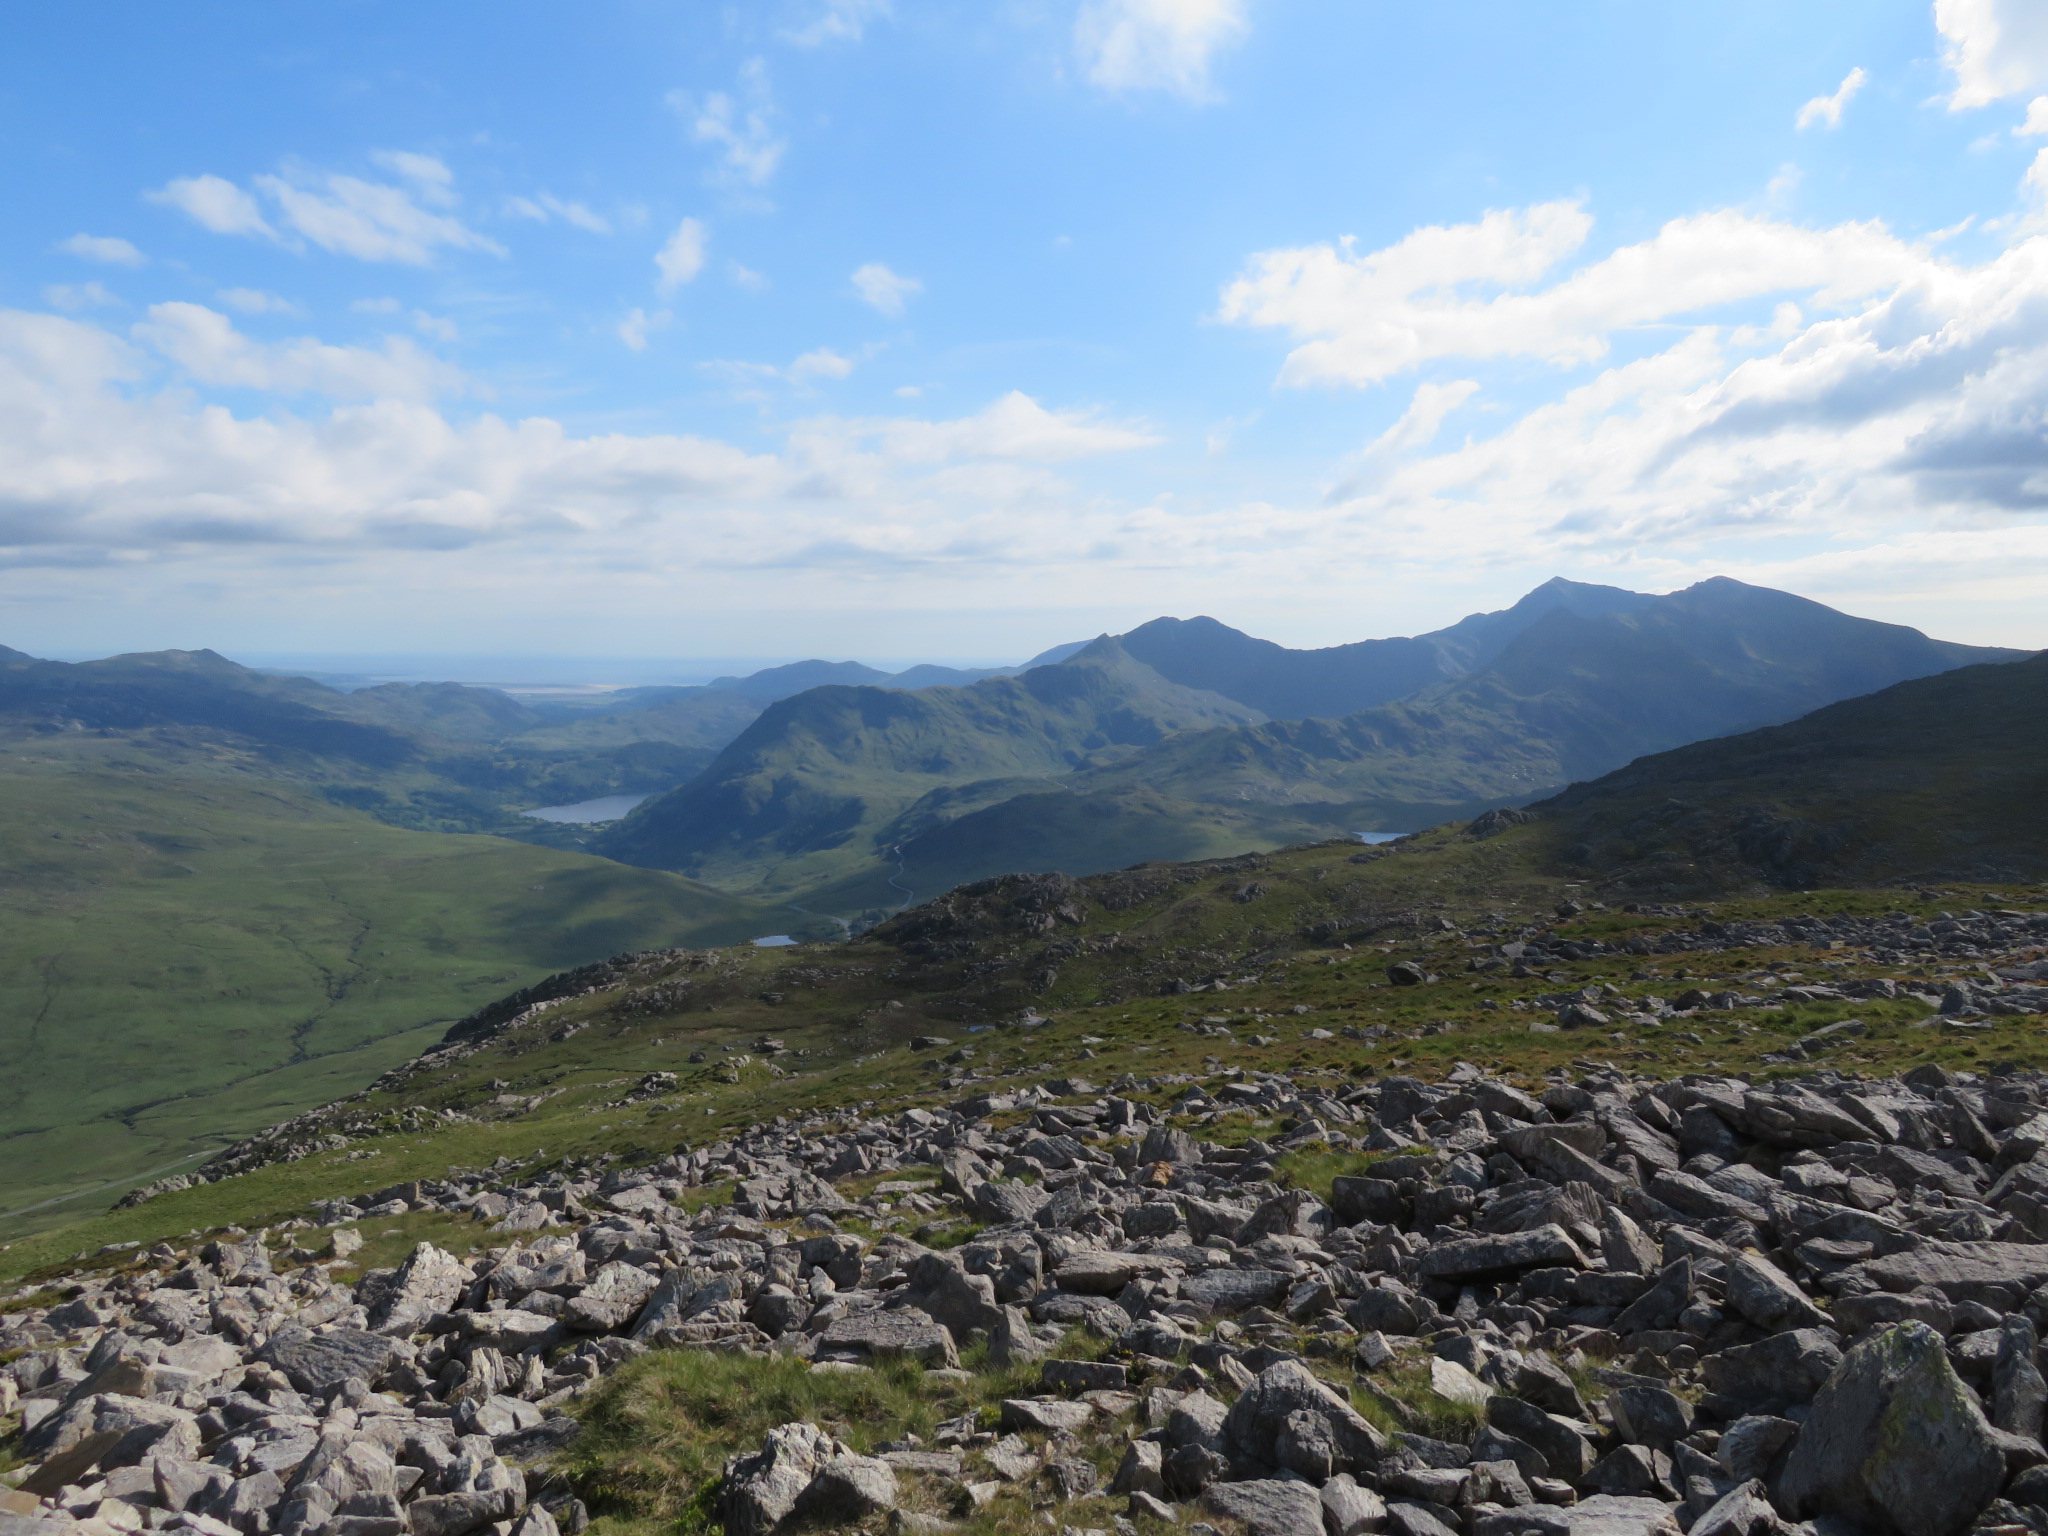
1607	1307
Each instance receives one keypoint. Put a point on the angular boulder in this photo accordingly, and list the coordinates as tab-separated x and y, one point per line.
1895	1441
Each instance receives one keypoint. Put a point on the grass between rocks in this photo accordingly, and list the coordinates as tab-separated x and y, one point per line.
657	1434
847	1017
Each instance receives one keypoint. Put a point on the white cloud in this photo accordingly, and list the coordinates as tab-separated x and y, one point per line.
214	203
1417	427
254	301
639	325
1438	292
103	467
110	249
884	291
1167	45
840	21
1995	48
746	277
2036	123
822	363
681	258
206	346
545	207
431	178
1826	111
440	327
1014	427
371	221
76	296
740	126
368	220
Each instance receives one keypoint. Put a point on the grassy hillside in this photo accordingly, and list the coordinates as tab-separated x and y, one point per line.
1287	954
1943	777
188	951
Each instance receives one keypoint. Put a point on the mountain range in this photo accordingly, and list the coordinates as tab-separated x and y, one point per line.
1172	747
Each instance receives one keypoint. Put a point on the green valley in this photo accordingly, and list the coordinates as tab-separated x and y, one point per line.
191	951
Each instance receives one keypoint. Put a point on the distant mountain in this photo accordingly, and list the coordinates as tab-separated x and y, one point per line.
1296	685
822	783
1569	683
1570	695
1943	777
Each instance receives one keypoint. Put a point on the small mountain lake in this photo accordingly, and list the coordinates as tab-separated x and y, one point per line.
1363	837
772	941
607	808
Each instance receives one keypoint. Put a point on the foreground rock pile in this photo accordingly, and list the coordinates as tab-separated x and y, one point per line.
1614	1307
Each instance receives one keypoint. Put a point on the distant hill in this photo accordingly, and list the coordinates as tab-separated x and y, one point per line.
1943	777
822	784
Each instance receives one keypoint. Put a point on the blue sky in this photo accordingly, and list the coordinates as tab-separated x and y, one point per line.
893	329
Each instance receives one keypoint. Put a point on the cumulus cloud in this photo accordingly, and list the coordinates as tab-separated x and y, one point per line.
740	126
1471	290
110	249
1994	48
204	344
884	291
639	325
681	257
1826	111
347	215
107	459
840	21
1163	45
214	203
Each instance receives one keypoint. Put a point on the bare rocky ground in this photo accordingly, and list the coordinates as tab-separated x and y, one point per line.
1594	1305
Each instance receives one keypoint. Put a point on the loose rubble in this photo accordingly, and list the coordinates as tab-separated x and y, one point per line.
1622	1306
1600	1305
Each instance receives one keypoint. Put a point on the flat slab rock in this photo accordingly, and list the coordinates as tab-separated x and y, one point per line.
1540	1248
1959	1266
1268	1507
1604	1514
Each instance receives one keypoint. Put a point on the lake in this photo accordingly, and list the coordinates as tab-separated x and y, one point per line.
1363	837
609	808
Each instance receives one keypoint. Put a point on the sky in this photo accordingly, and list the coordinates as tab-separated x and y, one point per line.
904	328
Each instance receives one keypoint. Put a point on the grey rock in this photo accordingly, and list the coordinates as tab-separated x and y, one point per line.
2018	1392
429	1281
1268	1508
1651	1416
1779	1372
1958	1269
1264	1414
1766	1295
1235	1290
1565	1444
848	1489
1472	1258
319	1362
1744	1510
1140	1470
1752	1444
761	1488
613	1298
1351	1510
904	1333
1895	1441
